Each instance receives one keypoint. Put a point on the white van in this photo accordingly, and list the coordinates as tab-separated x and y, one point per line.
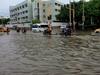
39	27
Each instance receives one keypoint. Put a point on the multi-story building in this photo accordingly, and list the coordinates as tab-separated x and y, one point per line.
42	9
21	12
35	9
3	17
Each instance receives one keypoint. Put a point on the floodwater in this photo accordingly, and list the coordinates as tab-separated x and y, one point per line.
37	54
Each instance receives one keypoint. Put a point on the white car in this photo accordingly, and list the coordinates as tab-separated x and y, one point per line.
38	28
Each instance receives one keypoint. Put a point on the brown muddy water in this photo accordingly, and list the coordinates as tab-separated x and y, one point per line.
36	54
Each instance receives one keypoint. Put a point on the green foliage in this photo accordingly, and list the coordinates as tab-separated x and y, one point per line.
91	10
63	15
4	21
35	21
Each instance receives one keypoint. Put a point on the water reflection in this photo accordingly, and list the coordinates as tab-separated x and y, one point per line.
36	54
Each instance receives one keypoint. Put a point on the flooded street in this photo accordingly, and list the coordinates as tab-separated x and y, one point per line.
37	54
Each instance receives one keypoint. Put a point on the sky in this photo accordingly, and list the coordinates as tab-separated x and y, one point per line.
4	5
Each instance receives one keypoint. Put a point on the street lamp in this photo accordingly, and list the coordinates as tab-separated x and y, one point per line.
70	12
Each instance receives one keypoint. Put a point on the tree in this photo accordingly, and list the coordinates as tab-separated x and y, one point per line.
35	21
91	12
4	20
63	15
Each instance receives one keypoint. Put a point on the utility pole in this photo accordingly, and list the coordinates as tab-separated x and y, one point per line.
74	17
83	17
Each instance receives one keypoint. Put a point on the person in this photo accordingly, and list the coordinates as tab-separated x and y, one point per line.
18	29
66	31
8	30
24	30
49	29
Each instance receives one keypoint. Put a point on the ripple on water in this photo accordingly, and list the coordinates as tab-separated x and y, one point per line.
36	54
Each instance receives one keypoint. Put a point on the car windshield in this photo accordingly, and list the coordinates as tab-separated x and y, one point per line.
44	26
35	26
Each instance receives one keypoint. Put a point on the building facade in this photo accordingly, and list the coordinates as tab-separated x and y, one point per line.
35	9
44	9
22	12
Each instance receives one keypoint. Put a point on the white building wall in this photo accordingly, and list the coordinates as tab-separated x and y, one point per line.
49	7
21	12
41	12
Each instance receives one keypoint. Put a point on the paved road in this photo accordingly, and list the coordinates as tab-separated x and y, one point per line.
36	54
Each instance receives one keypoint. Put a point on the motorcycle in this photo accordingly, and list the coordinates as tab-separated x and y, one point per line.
47	32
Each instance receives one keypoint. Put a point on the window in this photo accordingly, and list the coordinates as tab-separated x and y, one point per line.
17	8
43	4
55	9
23	12
43	10
59	5
23	18
18	18
44	16
25	5
10	10
22	6
10	15
55	3
18	13
38	5
26	17
26	11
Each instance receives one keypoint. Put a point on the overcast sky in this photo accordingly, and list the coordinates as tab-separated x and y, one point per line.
4	5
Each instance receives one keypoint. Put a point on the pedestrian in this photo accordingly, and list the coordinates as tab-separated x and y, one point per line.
8	30
24	30
49	29
69	30
65	30
18	29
